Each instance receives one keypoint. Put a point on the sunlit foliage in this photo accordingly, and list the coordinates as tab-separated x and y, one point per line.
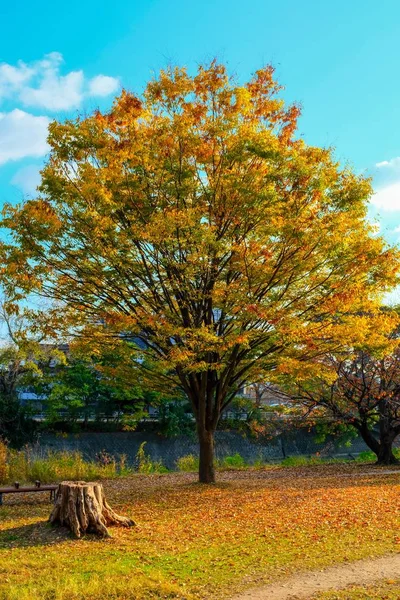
194	219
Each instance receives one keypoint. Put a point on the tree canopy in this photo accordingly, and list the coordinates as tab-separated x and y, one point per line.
194	219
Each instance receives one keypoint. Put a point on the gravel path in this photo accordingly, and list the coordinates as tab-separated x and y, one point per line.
305	585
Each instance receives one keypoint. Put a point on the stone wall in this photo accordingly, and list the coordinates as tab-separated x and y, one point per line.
169	450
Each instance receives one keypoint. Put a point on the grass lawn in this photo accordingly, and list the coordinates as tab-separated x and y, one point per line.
193	541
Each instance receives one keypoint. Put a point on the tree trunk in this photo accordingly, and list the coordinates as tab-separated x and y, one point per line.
382	447
82	507
386	434
385	454
368	437
206	462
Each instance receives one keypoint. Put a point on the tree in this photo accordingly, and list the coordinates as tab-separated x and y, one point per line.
364	393
193	219
84	388
22	356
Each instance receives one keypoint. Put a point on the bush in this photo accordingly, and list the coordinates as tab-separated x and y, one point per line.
232	462
188	463
366	456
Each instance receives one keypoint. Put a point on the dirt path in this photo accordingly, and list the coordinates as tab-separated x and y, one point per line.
305	585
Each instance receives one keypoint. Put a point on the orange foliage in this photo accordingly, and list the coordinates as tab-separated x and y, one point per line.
195	215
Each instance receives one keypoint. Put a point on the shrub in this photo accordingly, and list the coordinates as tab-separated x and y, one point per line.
188	463
104	458
366	456
123	469
232	462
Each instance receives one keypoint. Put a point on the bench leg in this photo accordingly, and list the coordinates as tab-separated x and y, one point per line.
1	499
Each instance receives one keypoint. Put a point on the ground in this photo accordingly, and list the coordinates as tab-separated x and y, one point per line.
193	542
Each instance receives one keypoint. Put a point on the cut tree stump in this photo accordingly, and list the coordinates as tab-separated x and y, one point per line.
82	507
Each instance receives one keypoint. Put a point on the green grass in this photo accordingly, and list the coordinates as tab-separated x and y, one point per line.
190	463
301	461
196	541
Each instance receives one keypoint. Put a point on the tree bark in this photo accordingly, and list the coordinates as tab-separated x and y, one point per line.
386	434
206	462
382	447
385	454
368	437
82	507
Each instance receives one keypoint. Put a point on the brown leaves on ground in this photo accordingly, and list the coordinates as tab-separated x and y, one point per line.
197	541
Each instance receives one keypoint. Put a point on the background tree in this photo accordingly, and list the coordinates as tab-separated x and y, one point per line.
361	391
22	357
16	426
86	387
193	219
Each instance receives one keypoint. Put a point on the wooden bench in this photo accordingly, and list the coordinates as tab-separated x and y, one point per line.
38	487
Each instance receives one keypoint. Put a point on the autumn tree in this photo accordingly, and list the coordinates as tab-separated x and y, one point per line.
193	219
359	390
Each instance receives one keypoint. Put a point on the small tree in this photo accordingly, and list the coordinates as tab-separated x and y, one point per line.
193	219
363	392
87	387
22	356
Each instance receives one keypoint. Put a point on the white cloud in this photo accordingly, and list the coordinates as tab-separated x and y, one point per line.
27	179
387	184
388	198
22	135
103	85
40	84
393	163
11	77
55	92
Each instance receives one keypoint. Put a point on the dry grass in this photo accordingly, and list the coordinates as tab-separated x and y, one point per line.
195	541
26	466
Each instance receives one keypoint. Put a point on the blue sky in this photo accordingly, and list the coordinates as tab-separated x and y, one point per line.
338	59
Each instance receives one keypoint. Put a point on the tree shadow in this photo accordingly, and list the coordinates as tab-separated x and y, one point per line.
40	533
35	534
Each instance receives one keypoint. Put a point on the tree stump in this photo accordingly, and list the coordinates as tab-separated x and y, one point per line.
82	507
